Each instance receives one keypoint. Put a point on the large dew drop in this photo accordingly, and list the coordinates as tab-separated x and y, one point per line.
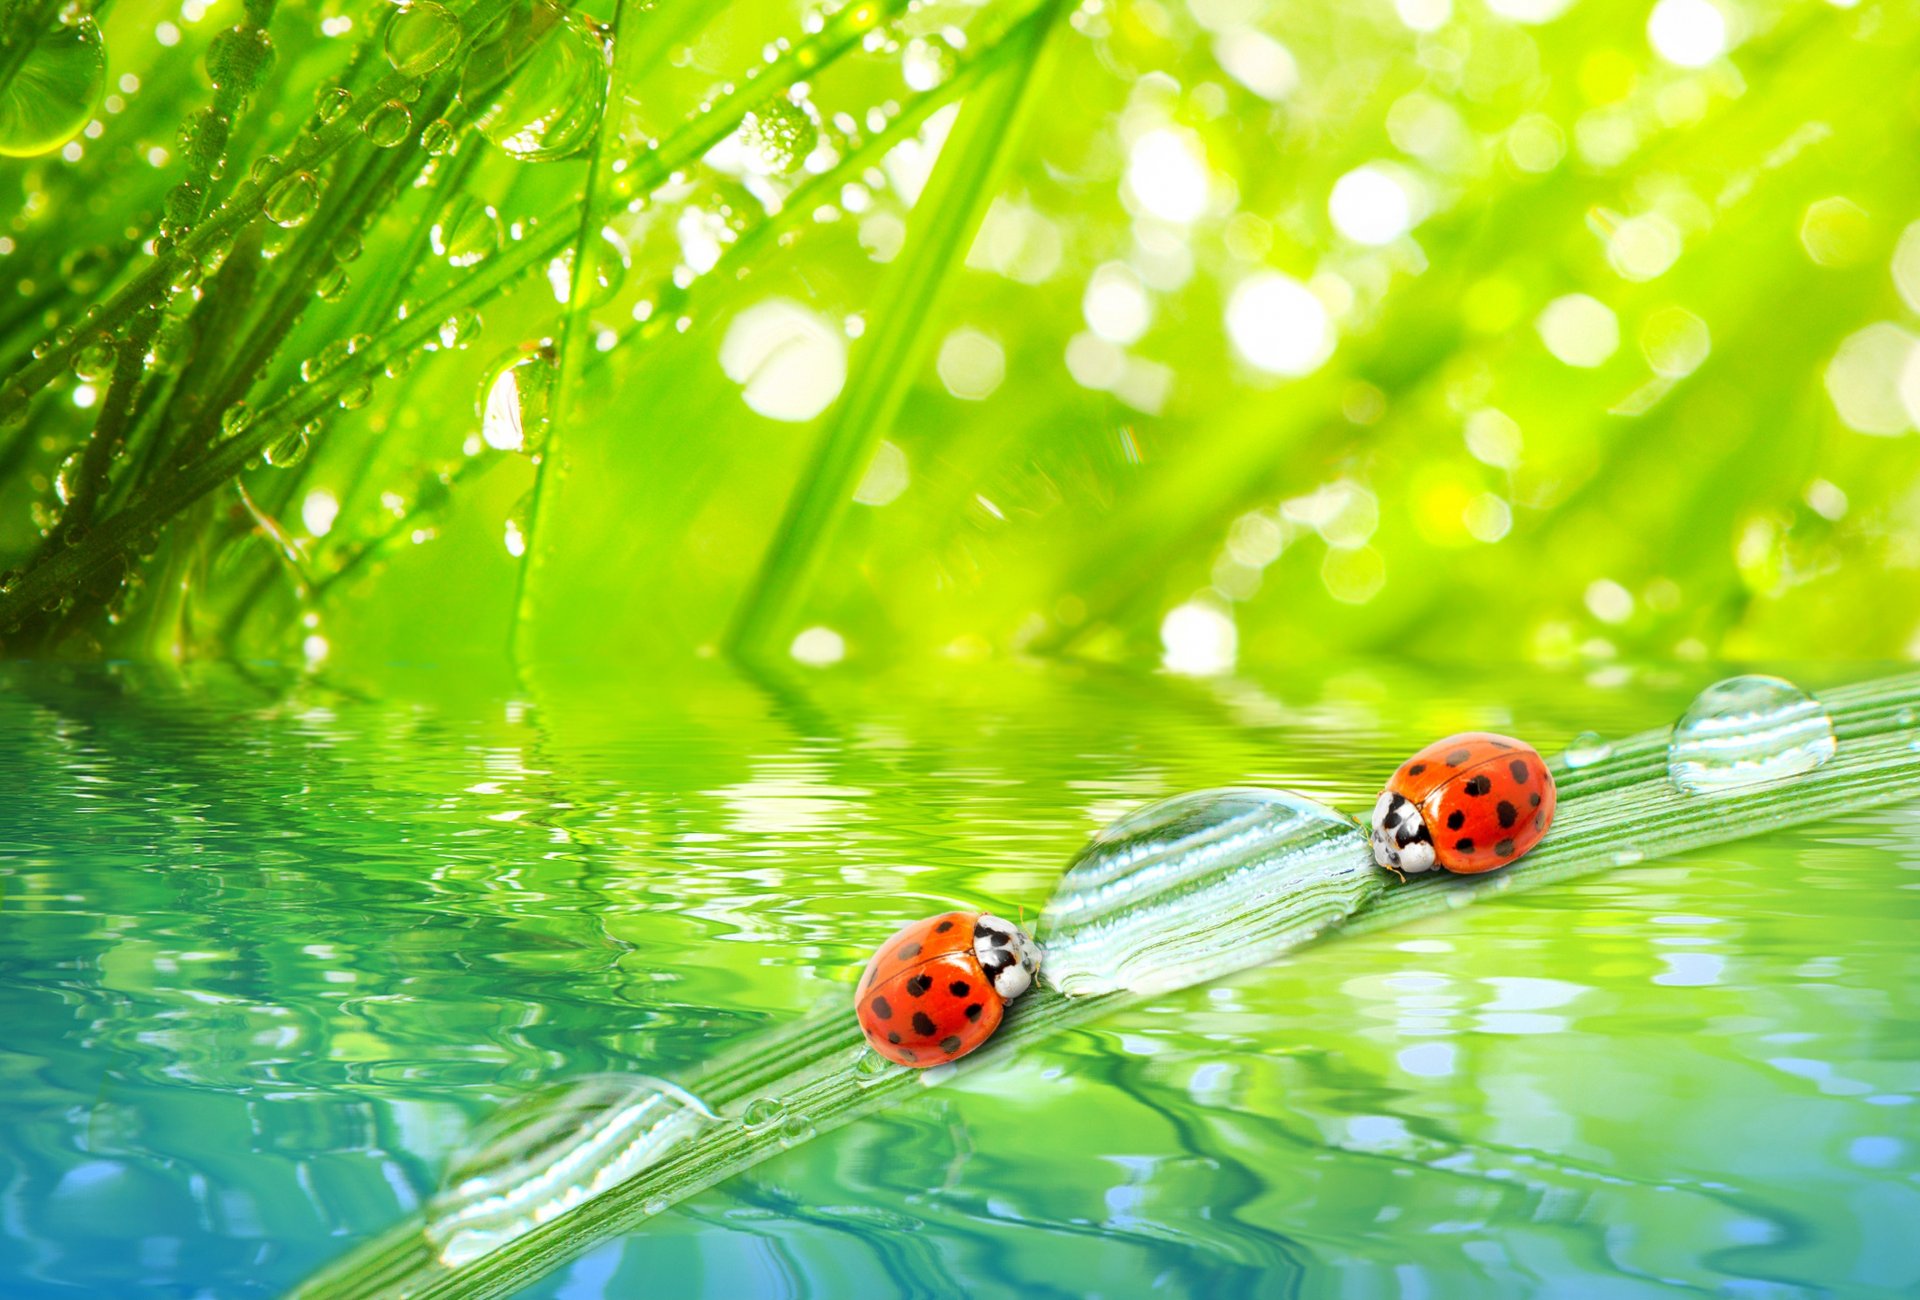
421	37
1199	886
542	1155
1745	731
536	80
52	93
516	400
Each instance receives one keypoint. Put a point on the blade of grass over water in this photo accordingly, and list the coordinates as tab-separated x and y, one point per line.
902	322
1614	812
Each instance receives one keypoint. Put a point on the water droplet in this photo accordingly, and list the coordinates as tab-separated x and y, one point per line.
421	37
1199	886
94	362
460	329
516	400
655	1205
467	233
288	451
1905	718
52	92
235	418
66	478
1586	749
330	104
86	269
540	1156
870	1068
437	137
535	81
332	286
356	394
1748	730
238	56
926	63
289	203
778	136
794	1130
388	125
763	1112
264	168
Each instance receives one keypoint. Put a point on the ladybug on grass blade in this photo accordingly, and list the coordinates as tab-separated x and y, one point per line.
1467	804
937	989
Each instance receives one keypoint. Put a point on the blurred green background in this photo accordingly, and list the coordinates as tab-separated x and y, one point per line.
1250	331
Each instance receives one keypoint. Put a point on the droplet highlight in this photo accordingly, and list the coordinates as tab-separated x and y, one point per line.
535	81
516	400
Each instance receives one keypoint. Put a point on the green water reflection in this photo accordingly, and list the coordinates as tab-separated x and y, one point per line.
270	949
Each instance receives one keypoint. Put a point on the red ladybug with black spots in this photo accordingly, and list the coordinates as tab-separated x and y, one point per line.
937	989
1467	804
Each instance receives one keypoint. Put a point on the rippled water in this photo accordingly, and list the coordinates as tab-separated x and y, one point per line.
270	951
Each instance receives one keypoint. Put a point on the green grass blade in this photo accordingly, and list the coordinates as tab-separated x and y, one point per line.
1612	813
902	322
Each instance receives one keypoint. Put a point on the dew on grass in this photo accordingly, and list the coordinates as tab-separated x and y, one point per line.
1746	731
421	37
516	399
535	81
52	93
290	202
388	125
1586	749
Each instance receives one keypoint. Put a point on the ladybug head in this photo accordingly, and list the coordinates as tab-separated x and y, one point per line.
1400	838
1006	954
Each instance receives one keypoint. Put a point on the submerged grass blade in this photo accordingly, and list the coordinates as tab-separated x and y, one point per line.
902	323
1612	813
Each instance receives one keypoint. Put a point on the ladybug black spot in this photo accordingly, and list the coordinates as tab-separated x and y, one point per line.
882	1009
894	1039
1519	770
1508	813
923	1024
950	1044
1533	800
1458	756
1416	769
1504	848
1456	819
943	927
1479	785
918	985
959	988
907	951
1463	845
973	1010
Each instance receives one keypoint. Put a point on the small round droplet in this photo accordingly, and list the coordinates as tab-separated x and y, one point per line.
778	137
332	286
1586	749
870	1068
437	137
289	203
467	233
53	90
235	418
516	400
421	37
288	451
460	329
655	1205
794	1130
94	362
330	104
1745	731
535	81
388	125
66	478
763	1112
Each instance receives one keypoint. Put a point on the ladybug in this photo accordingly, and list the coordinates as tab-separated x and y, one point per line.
1468	804
937	989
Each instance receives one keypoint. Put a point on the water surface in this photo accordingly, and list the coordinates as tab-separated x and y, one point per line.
271	949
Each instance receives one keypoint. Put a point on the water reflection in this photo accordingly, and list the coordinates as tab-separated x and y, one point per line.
272	951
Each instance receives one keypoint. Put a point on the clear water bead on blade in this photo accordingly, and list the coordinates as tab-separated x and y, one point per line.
1745	731
535	81
53	89
540	1156
1199	886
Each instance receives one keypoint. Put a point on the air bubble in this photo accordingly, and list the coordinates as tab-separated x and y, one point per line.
1746	731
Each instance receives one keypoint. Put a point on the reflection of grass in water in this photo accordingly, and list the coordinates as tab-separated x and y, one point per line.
1618	810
